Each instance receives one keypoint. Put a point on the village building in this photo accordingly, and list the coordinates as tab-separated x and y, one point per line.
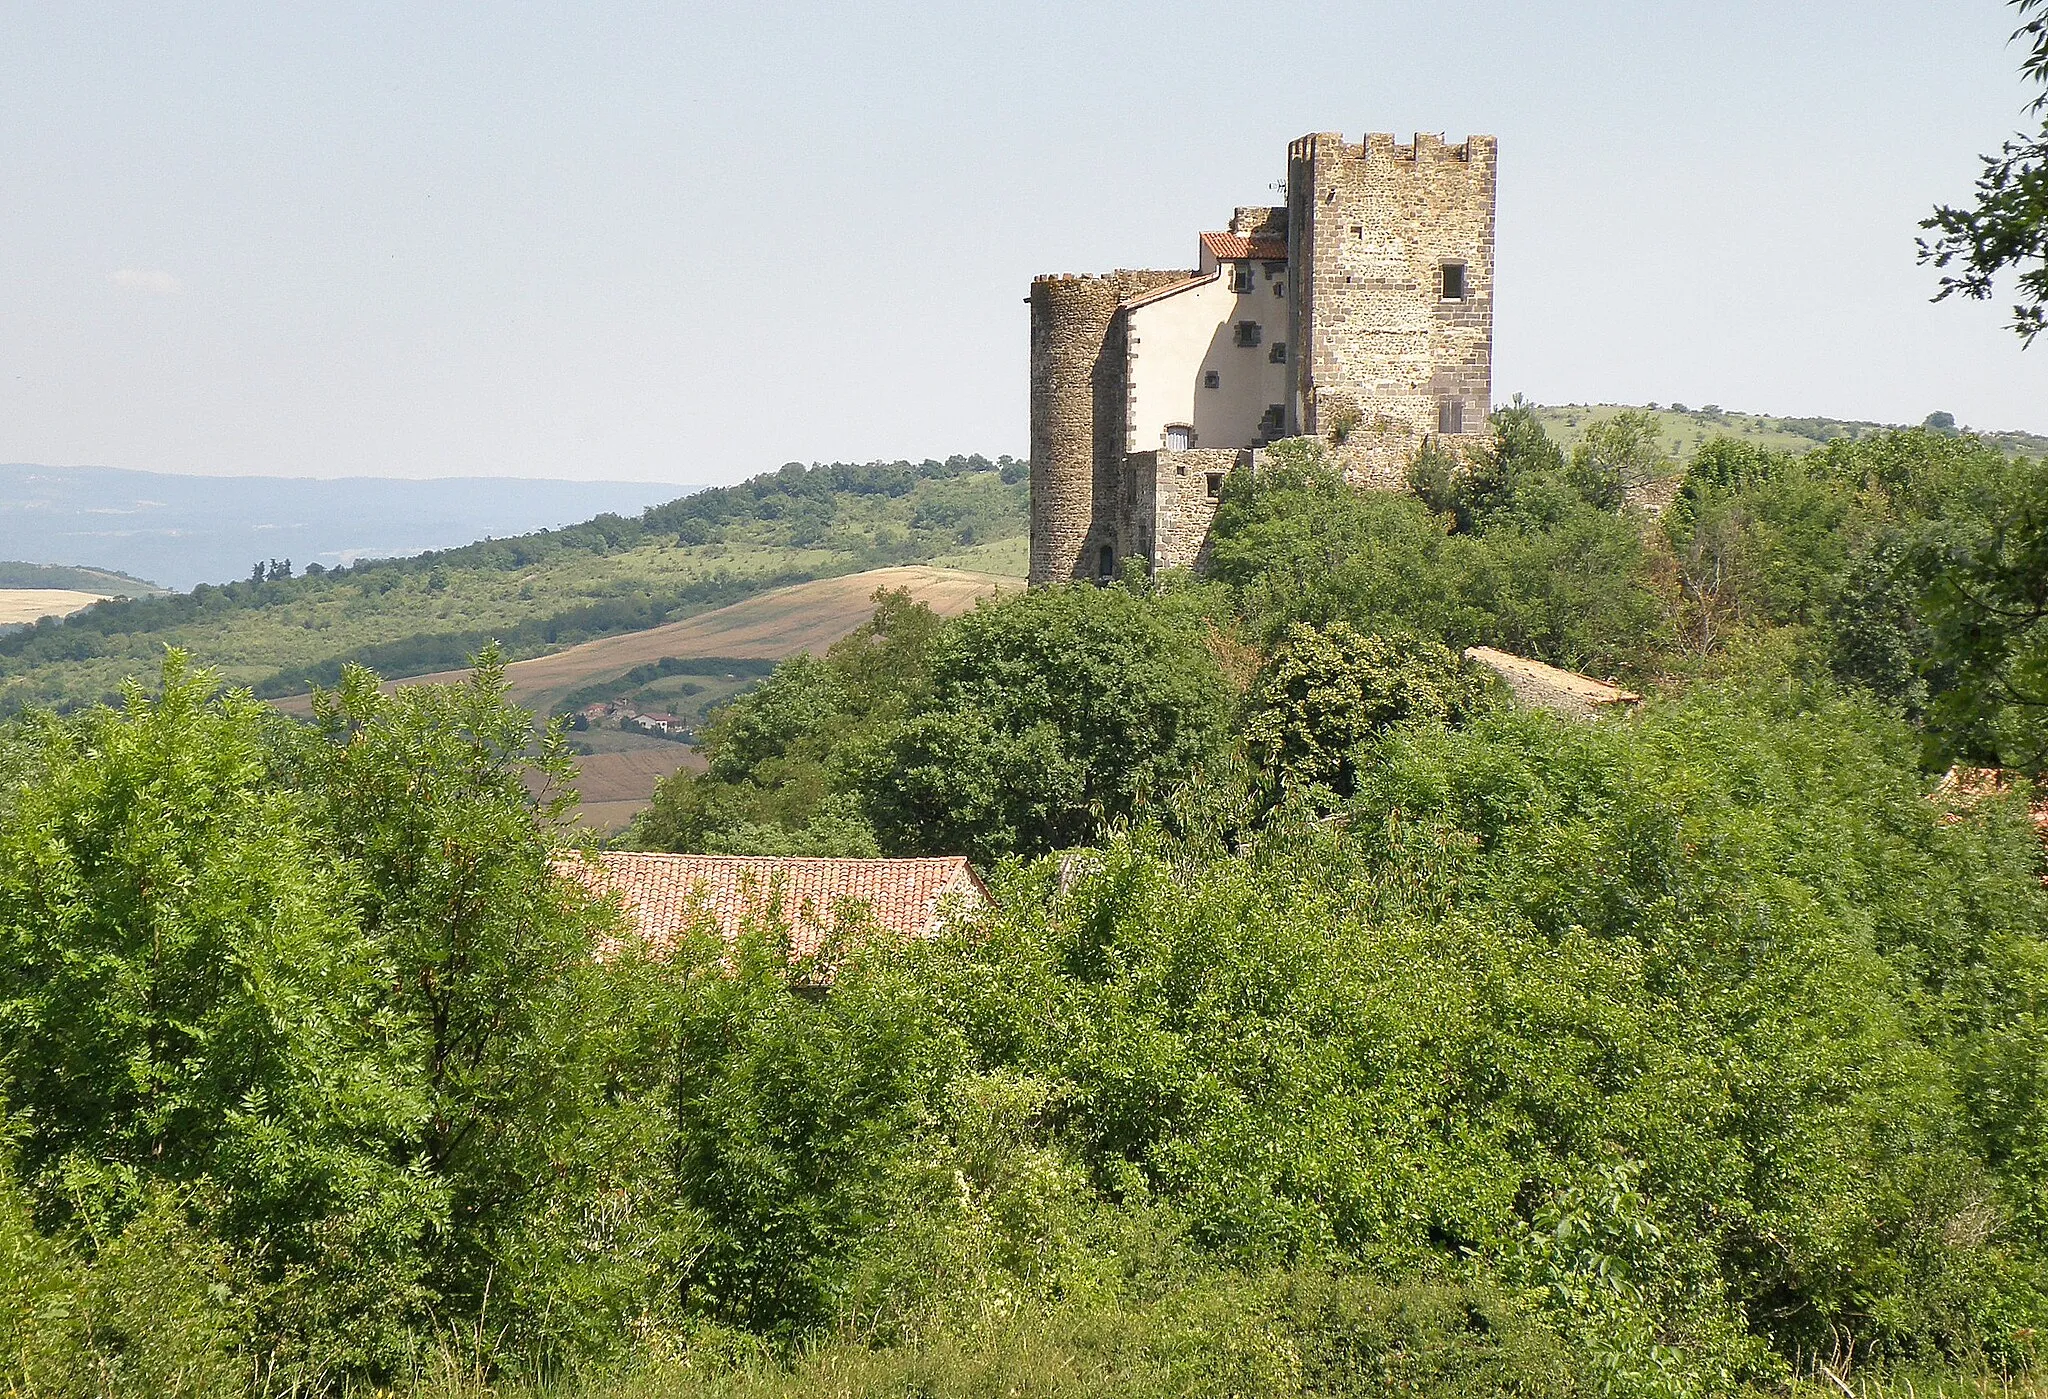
1361	312
1538	686
810	901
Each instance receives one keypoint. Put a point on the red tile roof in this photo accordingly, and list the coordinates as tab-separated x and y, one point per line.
1224	246
664	895
1966	786
1546	687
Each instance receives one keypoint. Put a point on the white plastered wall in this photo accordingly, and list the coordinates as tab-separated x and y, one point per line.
1177	337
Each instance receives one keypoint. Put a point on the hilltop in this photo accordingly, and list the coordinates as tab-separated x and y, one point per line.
542	591
1681	430
99	582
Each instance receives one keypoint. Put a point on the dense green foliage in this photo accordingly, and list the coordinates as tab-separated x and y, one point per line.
532	593
1336	1027
1019	728
1642	1058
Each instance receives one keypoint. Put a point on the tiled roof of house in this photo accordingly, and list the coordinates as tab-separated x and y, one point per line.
664	895
1546	687
1228	245
1966	786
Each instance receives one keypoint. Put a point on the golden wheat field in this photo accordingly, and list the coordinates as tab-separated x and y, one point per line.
28	604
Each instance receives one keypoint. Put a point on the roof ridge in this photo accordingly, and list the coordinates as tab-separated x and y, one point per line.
787	859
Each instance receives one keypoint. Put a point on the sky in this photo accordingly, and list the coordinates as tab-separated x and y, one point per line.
686	242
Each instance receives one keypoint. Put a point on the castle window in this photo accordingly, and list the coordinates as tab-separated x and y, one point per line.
1450	415
1275	419
1105	566
1278	354
1212	380
1215	485
1240	278
1179	437
1454	281
1280	287
1248	334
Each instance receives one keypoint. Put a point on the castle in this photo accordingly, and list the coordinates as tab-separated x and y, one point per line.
1361	313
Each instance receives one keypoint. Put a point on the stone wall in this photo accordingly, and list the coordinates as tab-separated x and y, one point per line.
1371	227
1078	402
1259	222
1169	507
1376	454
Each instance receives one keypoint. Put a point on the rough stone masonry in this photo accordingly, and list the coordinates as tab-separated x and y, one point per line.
1361	314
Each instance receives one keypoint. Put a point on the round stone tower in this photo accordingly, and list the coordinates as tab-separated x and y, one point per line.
1078	406
1070	323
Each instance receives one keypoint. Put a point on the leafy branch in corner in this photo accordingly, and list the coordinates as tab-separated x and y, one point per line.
2007	228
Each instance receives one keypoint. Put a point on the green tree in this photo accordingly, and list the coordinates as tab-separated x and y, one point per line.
1519	474
1327	690
449	806
1048	716
191	995
1617	456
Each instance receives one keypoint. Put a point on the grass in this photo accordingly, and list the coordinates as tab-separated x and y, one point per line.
1683	431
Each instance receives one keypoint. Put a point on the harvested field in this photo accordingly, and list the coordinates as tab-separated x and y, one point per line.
805	617
615	785
28	604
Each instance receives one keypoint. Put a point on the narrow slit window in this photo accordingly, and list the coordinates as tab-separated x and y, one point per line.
1454	281
1450	416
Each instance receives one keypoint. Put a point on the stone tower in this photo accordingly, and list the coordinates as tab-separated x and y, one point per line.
1362	313
1077	416
1392	290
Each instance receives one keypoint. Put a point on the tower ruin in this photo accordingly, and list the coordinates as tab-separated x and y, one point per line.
1361	313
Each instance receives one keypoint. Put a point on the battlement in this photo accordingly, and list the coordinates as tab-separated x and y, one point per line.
1380	147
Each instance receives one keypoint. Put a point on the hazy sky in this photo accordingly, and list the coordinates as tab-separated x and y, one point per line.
687	242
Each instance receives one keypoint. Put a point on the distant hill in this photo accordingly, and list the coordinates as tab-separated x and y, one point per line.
1683	430
100	582
179	531
541	591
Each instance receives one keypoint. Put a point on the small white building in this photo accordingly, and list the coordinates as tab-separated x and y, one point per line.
1207	358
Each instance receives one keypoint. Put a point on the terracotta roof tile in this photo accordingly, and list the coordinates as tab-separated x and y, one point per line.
1224	246
665	894
1966	786
1546	687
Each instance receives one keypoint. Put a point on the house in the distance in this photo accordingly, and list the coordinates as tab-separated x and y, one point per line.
810	900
